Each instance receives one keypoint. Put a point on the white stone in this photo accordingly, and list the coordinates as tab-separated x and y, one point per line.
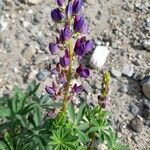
25	24
146	89
34	2
3	25
146	44
99	57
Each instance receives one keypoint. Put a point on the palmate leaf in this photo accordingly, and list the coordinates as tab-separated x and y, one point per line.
2	146
63	138
80	113
4	112
71	112
32	88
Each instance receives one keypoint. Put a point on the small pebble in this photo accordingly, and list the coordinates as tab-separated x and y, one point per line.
42	75
127	70
146	44
134	109
136	124
115	73
124	88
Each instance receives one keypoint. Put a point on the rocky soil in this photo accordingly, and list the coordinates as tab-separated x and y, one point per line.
122	25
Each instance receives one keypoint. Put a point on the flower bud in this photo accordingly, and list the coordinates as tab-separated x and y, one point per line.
57	15
77	5
82	46
83	72
69	10
77	89
65	34
79	24
60	2
50	90
64	61
54	49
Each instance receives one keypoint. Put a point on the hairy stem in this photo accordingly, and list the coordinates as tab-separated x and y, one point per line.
67	87
91	142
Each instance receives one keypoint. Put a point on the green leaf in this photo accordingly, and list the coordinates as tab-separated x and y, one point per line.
32	88
37	116
83	137
71	112
8	140
80	113
2	146
14	103
83	126
4	112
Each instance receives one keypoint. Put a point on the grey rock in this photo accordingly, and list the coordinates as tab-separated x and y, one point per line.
145	79
28	52
147	123
136	124
148	22
124	88
115	73
146	89
128	70
87	87
7	45
42	75
40	58
31	2
146	44
91	2
134	109
146	113
146	104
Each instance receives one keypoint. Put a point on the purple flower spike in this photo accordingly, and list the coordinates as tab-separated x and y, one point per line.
83	72
65	34
65	61
69	10
54	49
79	24
51	90
60	2
77	89
77	5
57	15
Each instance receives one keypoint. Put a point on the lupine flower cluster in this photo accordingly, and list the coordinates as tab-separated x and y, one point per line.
75	28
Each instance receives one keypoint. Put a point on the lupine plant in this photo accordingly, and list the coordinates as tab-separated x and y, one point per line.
52	121
74	30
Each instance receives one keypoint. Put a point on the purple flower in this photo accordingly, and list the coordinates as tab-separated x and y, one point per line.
82	46
57	15
54	72
69	10
54	49
79	24
62	79
83	72
77	89
77	5
51	90
60	2
65	34
65	61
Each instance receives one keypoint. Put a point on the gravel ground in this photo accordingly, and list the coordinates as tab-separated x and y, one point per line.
122	25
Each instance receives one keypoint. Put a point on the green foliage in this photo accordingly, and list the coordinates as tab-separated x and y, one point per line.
24	125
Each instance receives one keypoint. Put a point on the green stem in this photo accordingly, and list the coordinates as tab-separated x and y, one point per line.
65	100
91	142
